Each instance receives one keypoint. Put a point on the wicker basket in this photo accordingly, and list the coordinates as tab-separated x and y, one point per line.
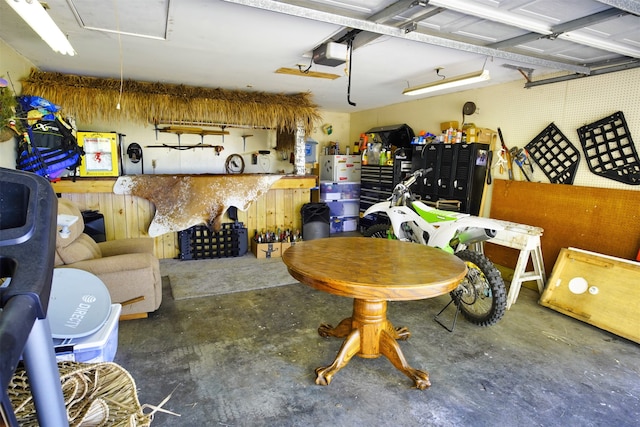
95	394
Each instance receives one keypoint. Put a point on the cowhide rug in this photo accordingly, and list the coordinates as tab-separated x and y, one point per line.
183	201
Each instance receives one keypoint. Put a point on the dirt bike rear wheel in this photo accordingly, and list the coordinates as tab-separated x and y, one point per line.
481	295
380	231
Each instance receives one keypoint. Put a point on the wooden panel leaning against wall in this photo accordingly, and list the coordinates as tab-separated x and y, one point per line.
129	216
601	220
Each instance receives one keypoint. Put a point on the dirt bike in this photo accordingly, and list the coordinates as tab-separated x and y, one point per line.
481	295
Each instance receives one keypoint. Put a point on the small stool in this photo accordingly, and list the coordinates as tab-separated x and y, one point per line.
526	238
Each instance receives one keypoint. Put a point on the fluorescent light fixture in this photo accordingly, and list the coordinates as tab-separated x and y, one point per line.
39	20
493	13
465	79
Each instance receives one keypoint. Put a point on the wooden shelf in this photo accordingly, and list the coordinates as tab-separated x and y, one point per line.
181	130
105	185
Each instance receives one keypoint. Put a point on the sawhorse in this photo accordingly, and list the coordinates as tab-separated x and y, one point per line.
526	238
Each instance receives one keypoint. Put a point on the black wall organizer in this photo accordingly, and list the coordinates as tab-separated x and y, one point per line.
609	149
557	157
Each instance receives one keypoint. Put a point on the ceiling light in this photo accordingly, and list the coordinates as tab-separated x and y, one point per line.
465	79
39	20
494	14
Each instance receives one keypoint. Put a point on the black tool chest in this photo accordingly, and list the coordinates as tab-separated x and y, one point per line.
377	183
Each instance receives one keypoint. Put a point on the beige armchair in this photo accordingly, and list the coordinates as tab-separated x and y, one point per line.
127	266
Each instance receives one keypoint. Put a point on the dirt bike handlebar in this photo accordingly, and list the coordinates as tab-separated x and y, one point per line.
415	175
422	172
403	187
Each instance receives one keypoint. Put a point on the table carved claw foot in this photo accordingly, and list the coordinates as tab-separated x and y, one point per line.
368	334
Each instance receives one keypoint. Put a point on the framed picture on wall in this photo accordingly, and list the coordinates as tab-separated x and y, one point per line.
101	153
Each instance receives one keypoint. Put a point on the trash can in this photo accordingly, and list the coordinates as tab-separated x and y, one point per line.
315	221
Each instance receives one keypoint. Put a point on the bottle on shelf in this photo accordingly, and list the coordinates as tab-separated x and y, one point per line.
363	142
383	157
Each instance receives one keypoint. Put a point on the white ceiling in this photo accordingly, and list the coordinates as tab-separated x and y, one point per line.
238	44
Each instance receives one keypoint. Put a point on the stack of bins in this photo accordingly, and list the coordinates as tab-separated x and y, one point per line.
340	190
343	200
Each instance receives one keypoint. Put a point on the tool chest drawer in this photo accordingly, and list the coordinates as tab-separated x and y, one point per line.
376	186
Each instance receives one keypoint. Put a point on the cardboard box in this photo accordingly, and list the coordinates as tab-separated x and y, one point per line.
286	245
266	250
481	135
451	124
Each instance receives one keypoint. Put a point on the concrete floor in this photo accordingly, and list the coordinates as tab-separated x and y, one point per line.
248	359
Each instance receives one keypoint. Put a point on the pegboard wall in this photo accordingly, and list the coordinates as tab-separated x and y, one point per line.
569	106
522	114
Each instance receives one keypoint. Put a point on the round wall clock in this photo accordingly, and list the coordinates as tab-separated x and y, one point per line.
234	164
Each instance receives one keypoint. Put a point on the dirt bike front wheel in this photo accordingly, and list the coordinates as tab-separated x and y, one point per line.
381	231
481	296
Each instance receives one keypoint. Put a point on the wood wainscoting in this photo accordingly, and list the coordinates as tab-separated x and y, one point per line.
129	216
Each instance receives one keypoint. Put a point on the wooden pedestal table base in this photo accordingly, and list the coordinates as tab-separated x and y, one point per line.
383	270
369	334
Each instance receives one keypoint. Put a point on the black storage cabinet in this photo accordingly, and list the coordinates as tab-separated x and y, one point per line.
315	221
457	173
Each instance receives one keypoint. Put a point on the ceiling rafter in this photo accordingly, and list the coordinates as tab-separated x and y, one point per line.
534	26
562	28
366	25
386	16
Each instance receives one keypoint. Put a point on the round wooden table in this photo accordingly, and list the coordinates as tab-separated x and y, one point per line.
372	272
